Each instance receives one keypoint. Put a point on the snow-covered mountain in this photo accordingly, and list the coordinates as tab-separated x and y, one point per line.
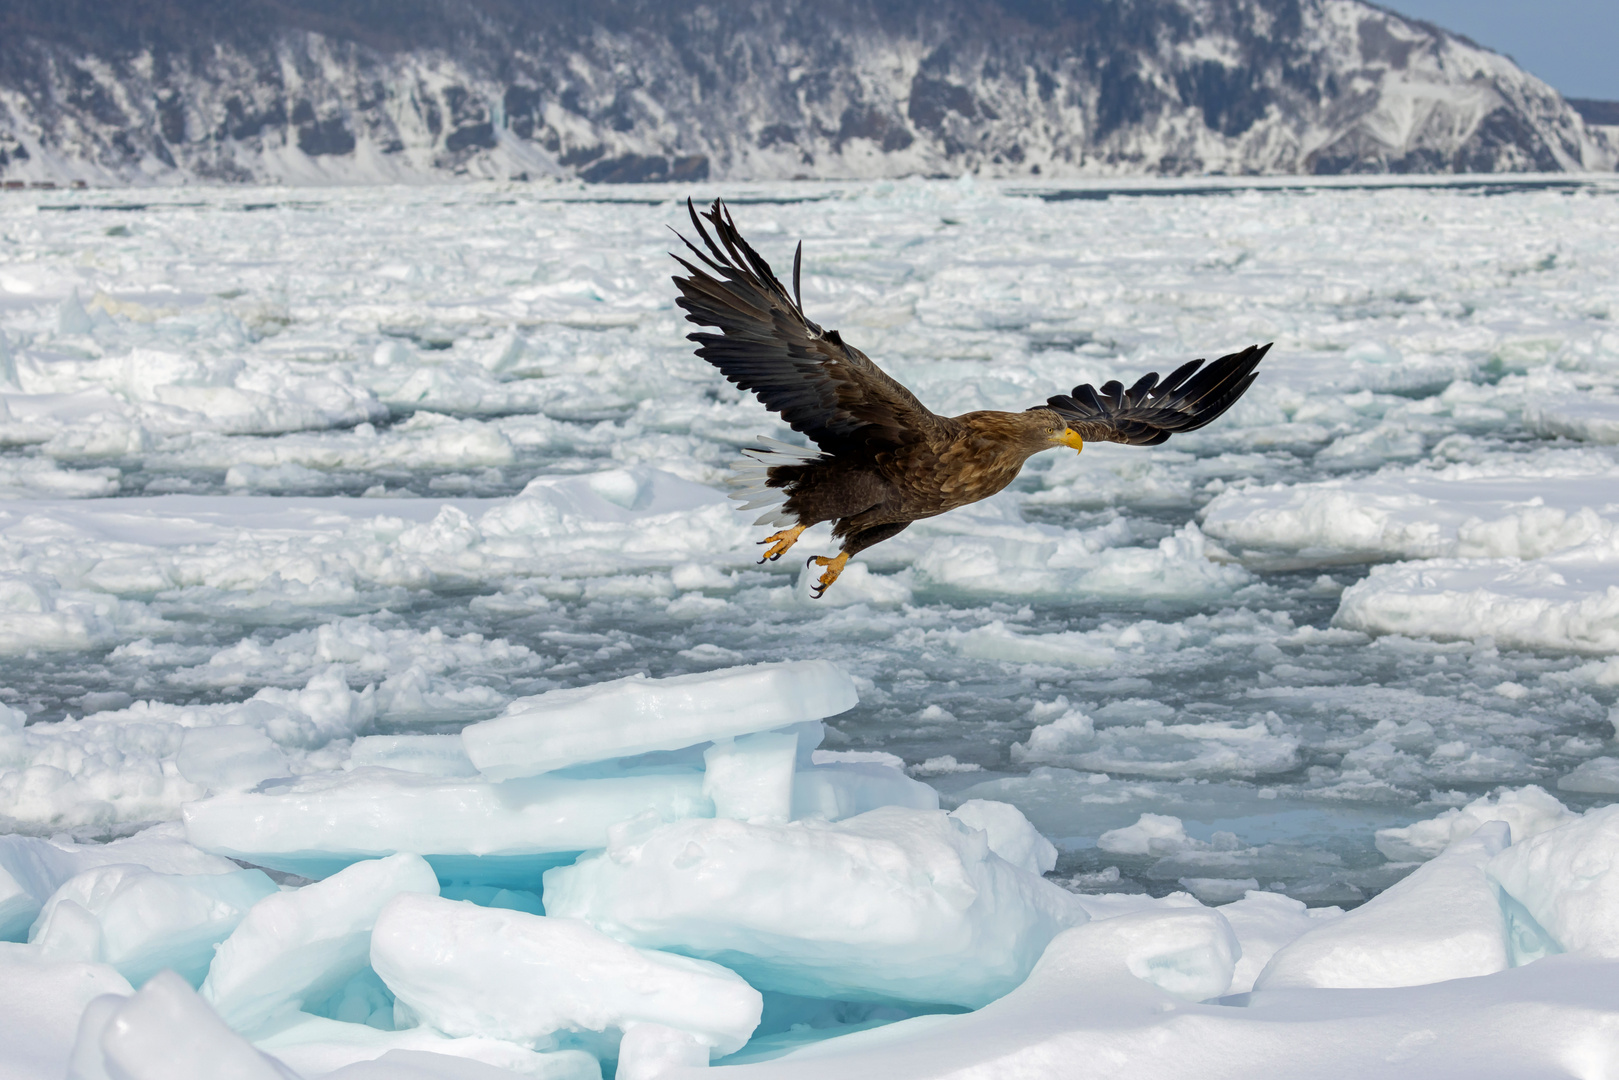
627	90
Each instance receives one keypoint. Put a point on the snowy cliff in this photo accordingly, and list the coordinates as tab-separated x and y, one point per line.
627	91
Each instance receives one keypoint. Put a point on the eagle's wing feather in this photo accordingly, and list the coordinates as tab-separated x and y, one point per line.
822	387
1151	411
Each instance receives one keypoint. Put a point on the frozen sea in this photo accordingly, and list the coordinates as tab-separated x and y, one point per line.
417	452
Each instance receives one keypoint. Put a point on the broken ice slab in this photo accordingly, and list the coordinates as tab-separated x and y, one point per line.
895	905
141	922
639	715
468	829
31	868
299	947
430	755
469	970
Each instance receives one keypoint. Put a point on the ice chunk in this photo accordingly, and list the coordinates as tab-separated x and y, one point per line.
166	1032
468	970
637	715
1264	922
844	789
1567	879
18	907
40	1004
1567	601
751	777
1071	733
298	947
1152	834
141	921
1529	810
39	867
1010	834
470	830
894	904
647	1050
1441	922
1599	776
430	755
229	758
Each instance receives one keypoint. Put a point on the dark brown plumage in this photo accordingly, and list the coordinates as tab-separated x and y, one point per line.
885	460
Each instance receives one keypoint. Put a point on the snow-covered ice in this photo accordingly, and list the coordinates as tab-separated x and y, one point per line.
894	904
470	970
382	533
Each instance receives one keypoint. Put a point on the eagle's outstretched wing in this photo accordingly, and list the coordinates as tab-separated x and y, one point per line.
1151	411
822	387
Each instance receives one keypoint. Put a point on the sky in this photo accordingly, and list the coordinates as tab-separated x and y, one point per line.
1571	44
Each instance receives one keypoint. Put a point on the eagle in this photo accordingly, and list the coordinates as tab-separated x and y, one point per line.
884	459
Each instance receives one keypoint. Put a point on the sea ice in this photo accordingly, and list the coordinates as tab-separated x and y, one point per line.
296	948
41	1001
1009	834
36	868
751	777
1529	811
1265	922
431	1065
1599	776
469	829
841	789
1444	921
895	904
229	758
637	715
468	970
316	1045
140	921
164	1032
1567	879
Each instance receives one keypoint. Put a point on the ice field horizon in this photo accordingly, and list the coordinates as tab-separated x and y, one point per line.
315	498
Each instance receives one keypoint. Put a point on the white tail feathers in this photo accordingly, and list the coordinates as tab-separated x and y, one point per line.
750	475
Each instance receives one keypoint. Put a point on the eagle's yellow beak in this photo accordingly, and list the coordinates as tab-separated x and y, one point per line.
1070	437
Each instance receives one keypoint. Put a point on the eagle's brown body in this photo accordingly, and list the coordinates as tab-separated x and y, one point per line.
884	459
873	496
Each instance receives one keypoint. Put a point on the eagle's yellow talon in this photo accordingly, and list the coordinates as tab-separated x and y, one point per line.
834	567
781	542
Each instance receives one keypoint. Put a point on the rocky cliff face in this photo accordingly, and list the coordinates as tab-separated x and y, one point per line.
621	90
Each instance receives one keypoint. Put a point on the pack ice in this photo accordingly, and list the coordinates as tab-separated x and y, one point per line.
658	875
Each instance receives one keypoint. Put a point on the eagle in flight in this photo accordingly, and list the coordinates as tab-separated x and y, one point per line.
884	459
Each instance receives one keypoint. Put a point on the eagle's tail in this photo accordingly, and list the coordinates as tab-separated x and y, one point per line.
750	477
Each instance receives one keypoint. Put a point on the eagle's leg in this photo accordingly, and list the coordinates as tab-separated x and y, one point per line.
834	567
781	542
